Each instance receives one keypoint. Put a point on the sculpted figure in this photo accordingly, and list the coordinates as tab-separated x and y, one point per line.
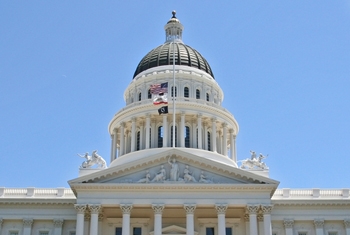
174	172
160	176
188	177
252	155
204	179
93	160
146	179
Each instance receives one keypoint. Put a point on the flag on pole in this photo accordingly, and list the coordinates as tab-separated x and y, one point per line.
163	110
160	99
159	88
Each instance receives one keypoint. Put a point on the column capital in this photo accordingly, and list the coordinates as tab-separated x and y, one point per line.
213	119
288	223
183	113
95	208
189	208
260	217
87	216
80	208
266	209
347	223
122	124
133	119
100	217
253	209
1	220
319	223
199	115
27	222
148	115
224	124
57	223
158	208
221	208
115	131
126	208
246	217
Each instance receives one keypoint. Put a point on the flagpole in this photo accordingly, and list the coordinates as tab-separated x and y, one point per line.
174	88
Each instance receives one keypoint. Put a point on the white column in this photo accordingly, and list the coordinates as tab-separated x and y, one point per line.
148	126
260	219
288	226
182	132
87	219
213	134
122	139
232	145
158	210
126	208
199	126
253	226
79	230
154	133
189	219
133	134
247	225
27	226
114	143
165	131
319	226
57	226
347	226
267	219
100	223
221	210
224	139
94	211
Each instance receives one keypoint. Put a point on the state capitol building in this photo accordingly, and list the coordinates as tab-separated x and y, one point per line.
173	169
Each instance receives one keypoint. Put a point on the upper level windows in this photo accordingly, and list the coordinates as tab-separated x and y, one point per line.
172	91
149	96
207	96
198	94
186	92
140	96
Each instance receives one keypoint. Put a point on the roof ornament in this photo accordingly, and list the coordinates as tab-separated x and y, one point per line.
174	14
253	162
173	29
92	160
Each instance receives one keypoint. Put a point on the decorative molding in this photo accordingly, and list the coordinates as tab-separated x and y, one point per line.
57	223
80	208
27	222
221	208
95	208
288	223
126	208
158	208
319	223
189	208
266	209
253	209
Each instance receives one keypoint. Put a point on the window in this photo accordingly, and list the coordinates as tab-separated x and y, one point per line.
207	96
186	92
332	233
302	233
172	136
149	94
210	231
150	137
198	94
118	231
43	233
197	137
228	231
187	137
160	137
140	96
209	147
172	91
138	141
13	233
72	233
137	231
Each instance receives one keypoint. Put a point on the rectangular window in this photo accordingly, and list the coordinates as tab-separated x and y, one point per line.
43	233
332	233
160	137
118	231
72	233
228	231
136	231
209	231
13	233
302	233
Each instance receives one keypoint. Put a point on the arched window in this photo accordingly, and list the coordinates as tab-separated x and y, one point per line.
160	137
187	137
186	92
172	91
138	141
140	96
198	94
207	96
209	144
149	94
172	136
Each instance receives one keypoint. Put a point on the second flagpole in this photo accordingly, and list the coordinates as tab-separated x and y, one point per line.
174	87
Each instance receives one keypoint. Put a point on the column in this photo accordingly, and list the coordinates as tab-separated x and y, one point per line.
253	226
189	218
80	208
319	226
122	139
133	134
347	226
182	132
87	219
288	226
246	220
114	142
260	219
232	145
266	210
221	210
165	131
158	210
100	223
148	126
126	208
219	142
213	134
224	139
27	226
199	126
57	226
94	210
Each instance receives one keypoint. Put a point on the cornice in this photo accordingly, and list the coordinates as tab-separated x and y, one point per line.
36	201
311	202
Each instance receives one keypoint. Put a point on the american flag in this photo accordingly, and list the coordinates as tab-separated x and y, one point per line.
159	88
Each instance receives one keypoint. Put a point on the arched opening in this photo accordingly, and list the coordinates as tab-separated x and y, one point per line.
198	94
186	92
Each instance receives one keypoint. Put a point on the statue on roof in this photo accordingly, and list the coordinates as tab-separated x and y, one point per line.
92	160
254	162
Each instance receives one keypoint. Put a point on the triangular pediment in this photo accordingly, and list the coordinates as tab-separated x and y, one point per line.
173	230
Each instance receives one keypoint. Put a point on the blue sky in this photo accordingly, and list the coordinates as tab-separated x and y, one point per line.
284	67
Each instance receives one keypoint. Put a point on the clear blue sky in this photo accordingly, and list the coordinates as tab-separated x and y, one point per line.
284	67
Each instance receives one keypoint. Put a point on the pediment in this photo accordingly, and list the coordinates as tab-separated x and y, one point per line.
173	230
146	170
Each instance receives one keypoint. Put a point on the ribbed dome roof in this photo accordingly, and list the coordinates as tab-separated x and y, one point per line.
163	55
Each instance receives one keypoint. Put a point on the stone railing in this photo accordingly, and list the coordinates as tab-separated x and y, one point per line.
287	193
36	192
